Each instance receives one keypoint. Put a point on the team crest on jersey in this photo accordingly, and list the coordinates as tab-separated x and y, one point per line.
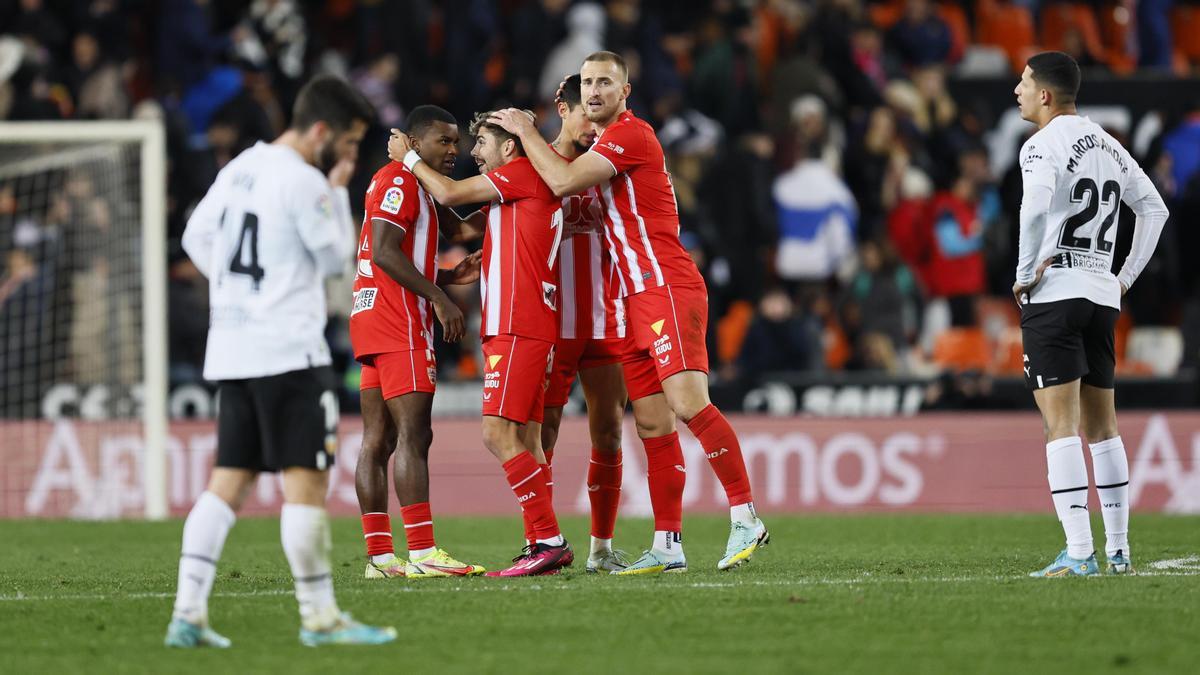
550	295
398	180
324	206
364	268
392	199
364	299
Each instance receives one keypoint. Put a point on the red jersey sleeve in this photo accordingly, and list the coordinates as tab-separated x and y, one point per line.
515	180
394	198
623	145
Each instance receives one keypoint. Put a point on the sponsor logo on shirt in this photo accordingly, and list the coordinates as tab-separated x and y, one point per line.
324	206
615	148
364	299
392	199
501	177
550	295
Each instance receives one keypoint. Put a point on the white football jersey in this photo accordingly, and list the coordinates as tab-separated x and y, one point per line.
254	235
1089	174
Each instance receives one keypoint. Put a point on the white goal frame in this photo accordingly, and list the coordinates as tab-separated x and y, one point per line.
151	139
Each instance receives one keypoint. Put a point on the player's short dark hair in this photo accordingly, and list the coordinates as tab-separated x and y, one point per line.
423	116
571	94
610	57
1057	72
333	101
479	124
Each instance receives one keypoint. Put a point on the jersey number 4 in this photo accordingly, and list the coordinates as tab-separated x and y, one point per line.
1085	190
245	258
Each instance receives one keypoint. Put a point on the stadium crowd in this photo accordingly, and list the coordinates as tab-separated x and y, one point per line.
841	203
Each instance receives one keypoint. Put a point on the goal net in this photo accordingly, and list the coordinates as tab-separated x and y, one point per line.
83	319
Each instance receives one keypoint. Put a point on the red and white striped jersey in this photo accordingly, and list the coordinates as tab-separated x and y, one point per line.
641	215
585	273
518	281
386	316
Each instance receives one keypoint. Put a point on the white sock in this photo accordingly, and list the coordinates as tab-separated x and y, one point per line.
420	553
1111	468
556	540
744	514
599	546
204	534
381	558
304	531
1067	474
668	544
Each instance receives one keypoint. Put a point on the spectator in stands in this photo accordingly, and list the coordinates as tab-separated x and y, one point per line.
882	298
1154	34
920	37
722	84
954	267
187	319
585	35
96	84
1182	144
780	339
377	82
534	29
817	217
875	164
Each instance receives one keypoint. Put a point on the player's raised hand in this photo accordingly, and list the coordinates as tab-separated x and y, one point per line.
398	145
450	316
512	120
340	174
467	269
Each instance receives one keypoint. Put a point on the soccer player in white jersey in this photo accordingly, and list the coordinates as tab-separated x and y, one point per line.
1075	177
266	235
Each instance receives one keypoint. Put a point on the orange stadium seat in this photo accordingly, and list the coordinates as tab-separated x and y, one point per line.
1185	22
1009	27
731	330
1115	27
962	349
885	14
1058	19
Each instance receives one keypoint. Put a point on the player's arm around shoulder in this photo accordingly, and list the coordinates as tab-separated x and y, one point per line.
443	189
564	178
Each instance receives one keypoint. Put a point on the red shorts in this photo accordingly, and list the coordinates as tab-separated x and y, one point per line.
400	373
572	355
515	373
668	326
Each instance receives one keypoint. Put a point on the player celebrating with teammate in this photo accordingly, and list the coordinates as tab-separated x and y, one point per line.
519	322
665	300
266	234
1075	177
591	340
396	296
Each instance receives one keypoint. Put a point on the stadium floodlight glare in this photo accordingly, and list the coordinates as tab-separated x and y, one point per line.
85	227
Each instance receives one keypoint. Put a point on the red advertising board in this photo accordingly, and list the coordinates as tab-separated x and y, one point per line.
952	462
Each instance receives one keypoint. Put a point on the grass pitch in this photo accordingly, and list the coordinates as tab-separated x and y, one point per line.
831	594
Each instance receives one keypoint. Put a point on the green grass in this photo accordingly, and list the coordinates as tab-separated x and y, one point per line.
832	594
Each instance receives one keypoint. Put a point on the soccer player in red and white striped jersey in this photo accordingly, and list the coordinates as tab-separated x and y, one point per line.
591	341
666	304
519	288
396	296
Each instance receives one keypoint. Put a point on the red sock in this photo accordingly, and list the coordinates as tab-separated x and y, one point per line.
377	530
724	453
666	476
549	456
418	526
604	492
529	485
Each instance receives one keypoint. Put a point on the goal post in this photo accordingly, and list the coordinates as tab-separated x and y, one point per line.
38	161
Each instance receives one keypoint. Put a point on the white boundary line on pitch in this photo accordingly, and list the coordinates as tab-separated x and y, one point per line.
437	587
